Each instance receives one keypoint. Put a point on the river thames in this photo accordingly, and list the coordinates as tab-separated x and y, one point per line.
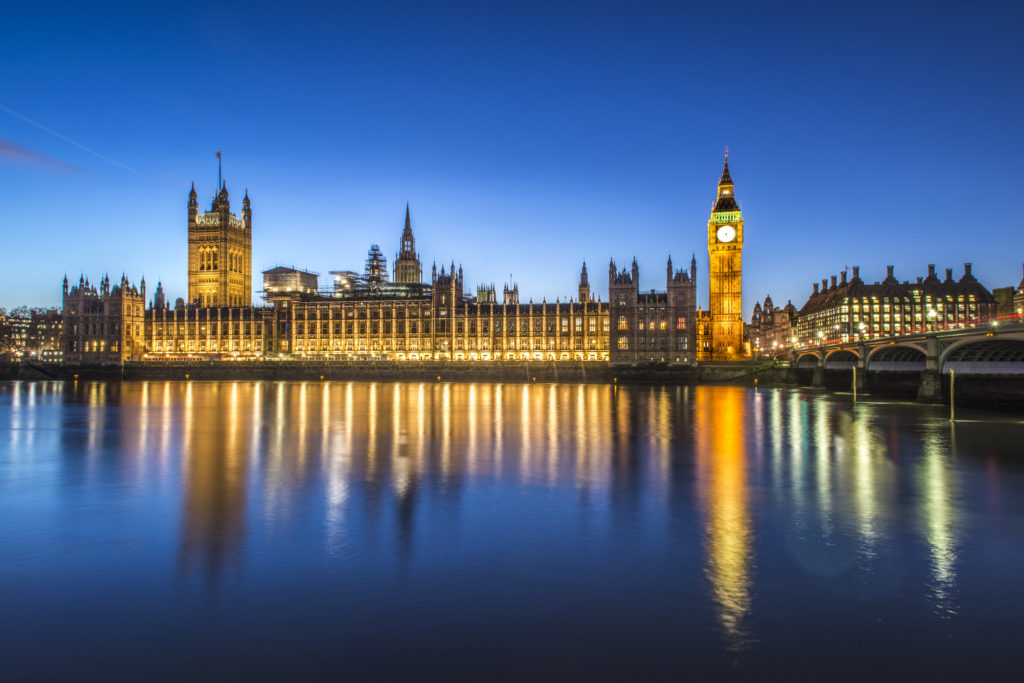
261	530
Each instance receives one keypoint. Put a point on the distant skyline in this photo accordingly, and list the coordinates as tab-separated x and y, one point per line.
527	138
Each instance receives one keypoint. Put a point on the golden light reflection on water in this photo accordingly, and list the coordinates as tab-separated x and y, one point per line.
720	415
253	453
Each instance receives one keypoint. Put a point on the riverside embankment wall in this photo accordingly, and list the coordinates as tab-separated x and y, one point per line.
765	374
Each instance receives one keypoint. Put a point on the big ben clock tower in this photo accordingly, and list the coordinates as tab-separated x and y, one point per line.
725	252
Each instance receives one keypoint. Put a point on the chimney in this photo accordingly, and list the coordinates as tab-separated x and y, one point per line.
889	270
815	288
920	279
967	270
833	282
824	284
856	272
842	278
931	270
949	274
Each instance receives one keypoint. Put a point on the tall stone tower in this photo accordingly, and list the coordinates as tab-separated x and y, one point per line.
725	252
584	288
407	262
219	251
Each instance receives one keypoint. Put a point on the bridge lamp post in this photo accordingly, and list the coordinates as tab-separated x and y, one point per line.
931	319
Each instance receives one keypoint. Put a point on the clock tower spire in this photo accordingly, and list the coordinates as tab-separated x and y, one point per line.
725	254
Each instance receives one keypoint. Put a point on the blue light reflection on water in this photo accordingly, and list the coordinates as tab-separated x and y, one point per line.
267	529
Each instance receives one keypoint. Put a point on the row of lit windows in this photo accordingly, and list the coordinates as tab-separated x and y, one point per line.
330	314
650	324
192	347
161	329
552	326
215	329
94	346
427	345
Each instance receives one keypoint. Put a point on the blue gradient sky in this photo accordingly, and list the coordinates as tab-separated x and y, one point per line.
528	137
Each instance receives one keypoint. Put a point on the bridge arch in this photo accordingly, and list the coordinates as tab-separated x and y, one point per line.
898	345
1002	355
841	359
807	359
905	357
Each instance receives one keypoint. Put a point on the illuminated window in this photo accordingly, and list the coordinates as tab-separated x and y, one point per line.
623	323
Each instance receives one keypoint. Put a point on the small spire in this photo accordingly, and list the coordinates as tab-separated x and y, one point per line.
726	178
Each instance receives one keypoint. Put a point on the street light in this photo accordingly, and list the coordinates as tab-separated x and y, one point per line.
931	319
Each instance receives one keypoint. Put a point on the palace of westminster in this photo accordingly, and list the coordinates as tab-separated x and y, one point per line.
369	315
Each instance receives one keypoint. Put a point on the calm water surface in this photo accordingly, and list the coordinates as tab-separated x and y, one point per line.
257	530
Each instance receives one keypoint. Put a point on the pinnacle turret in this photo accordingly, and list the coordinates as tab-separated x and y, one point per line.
726	200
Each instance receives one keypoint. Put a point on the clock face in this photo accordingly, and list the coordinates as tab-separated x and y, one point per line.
726	233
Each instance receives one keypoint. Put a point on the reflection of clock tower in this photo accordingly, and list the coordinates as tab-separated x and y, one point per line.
725	251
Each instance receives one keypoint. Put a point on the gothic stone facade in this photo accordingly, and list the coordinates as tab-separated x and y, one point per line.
105	324
652	326
219	252
772	330
406	319
725	276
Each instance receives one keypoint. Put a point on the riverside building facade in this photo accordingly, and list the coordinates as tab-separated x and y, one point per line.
364	316
103	324
652	326
772	330
848	310
369	316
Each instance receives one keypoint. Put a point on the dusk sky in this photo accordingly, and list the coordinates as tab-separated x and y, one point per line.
527	137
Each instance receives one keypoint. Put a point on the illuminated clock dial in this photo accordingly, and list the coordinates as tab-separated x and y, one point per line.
726	233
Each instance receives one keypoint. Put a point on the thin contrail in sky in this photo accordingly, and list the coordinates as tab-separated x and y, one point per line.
65	138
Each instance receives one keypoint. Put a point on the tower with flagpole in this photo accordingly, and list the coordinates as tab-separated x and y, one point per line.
219	249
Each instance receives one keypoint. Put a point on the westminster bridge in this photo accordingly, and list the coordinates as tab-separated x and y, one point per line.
993	349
